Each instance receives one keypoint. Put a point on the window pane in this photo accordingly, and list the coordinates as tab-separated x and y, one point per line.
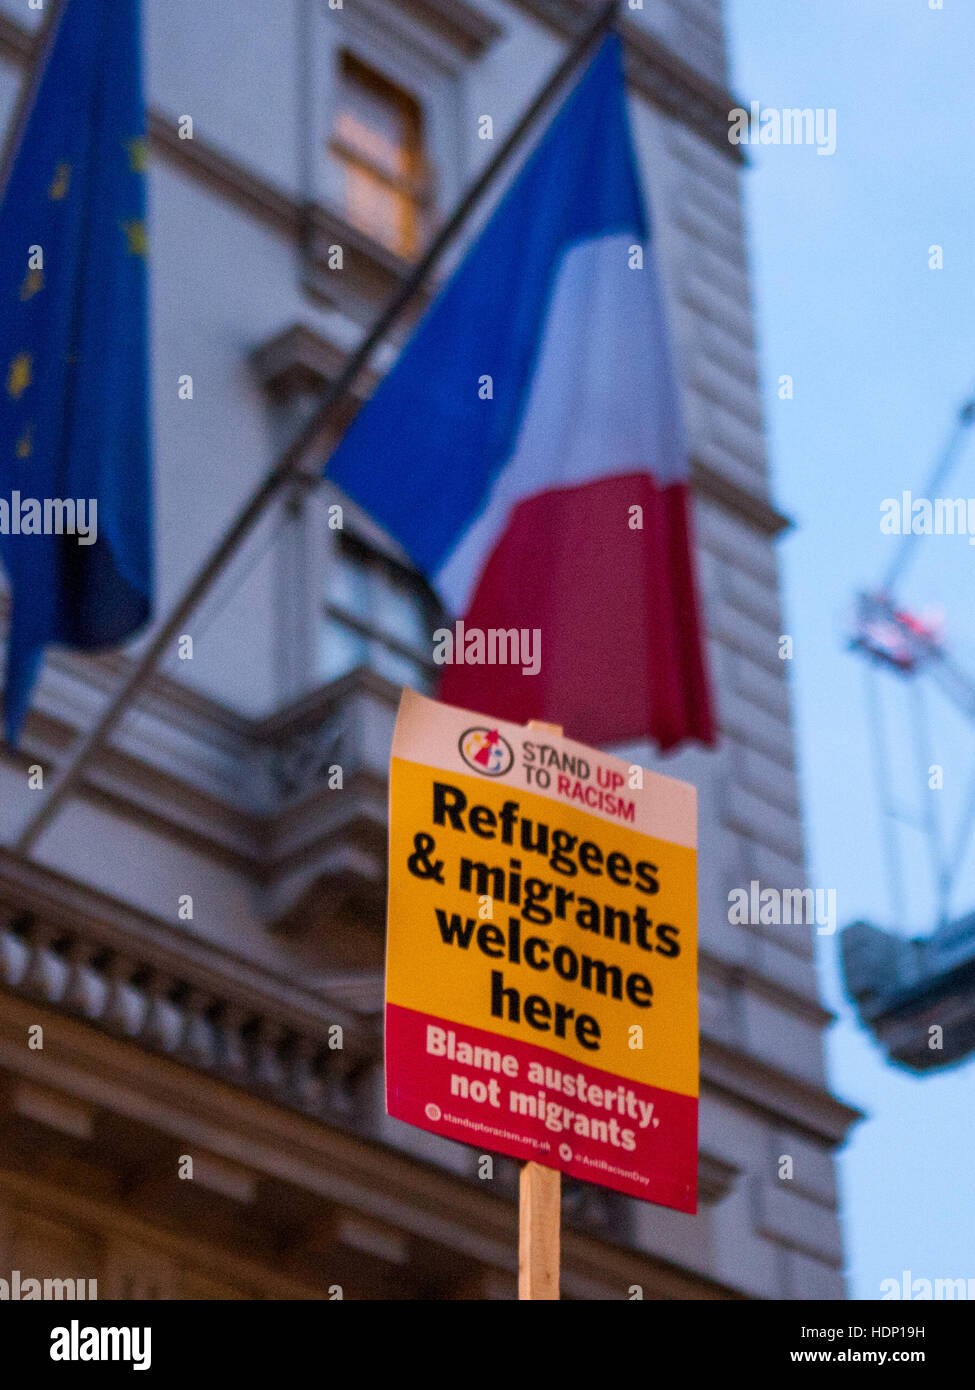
378	139
399	612
378	120
341	650
395	667
374	129
348	586
379	210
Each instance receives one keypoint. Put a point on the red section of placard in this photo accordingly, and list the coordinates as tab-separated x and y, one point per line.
512	1097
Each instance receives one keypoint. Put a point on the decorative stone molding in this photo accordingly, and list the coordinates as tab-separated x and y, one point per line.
798	1104
459	30
370	273
741	502
299	362
469	30
296	367
168	1005
655	72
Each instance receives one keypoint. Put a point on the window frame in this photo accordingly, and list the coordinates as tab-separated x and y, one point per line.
405	54
352	547
417	187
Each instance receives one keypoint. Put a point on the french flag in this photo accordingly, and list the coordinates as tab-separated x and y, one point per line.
528	453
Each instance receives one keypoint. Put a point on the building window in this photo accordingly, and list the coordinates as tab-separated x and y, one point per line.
378	142
377	613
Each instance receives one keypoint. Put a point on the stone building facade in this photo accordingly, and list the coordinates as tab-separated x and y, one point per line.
197	923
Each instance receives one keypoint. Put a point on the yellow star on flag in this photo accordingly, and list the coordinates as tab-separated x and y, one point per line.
33	283
25	444
20	375
138	241
59	184
138	154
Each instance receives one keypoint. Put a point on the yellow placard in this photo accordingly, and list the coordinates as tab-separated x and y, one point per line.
524	915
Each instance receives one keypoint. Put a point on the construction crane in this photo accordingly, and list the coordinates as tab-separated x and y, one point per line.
915	995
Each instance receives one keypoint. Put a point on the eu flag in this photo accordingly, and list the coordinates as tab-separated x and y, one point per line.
75	488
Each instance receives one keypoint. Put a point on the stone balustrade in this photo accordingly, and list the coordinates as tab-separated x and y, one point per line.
164	1009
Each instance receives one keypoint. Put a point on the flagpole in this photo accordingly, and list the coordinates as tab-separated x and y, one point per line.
310	439
539	1200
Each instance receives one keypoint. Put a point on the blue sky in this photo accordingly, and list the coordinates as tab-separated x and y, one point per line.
882	352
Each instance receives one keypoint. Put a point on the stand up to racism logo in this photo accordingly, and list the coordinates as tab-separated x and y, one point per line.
486	752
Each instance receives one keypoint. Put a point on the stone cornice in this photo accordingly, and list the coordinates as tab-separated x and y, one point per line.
784	1097
464	26
298	362
654	71
370	273
737	978
747	506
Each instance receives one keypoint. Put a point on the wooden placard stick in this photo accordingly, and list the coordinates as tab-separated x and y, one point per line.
540	1214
